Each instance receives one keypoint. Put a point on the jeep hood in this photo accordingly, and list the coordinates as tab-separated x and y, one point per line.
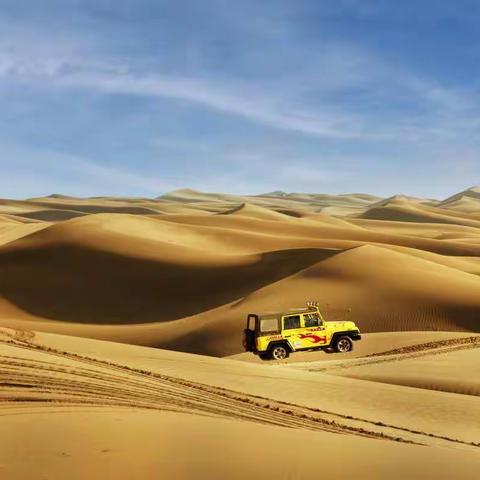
342	325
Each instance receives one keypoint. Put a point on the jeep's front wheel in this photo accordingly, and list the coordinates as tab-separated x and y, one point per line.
279	352
343	345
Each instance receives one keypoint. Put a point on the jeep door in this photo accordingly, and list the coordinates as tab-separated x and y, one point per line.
291	329
313	333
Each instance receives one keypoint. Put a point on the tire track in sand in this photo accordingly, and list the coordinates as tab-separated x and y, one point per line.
396	355
74	380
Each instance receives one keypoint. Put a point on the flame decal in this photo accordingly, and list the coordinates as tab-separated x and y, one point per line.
313	338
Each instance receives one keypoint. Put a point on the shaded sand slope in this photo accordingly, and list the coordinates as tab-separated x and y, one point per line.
401	293
113	278
96	205
194	283
56	215
112	402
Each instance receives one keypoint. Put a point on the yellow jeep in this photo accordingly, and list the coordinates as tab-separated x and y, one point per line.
276	335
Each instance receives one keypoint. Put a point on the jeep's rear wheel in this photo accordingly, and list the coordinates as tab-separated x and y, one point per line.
343	344
279	352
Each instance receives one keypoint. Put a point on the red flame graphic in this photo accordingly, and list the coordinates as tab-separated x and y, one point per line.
313	338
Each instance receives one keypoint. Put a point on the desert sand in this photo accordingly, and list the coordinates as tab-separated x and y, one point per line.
172	280
182	271
82	408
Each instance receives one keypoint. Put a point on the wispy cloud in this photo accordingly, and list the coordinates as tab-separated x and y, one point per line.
438	106
42	169
115	79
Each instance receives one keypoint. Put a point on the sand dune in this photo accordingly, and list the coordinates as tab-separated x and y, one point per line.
254	211
400	200
423	295
123	409
143	441
410	213
188	195
402	292
139	278
446	364
464	204
181	273
469	196
185	276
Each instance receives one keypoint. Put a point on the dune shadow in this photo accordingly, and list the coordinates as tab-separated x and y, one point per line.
289	213
78	284
52	215
93	209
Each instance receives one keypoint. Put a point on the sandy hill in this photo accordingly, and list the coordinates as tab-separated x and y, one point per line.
396	200
180	274
406	211
185	276
254	211
111	410
161	272
343	204
340	205
467	201
402	292
325	199
170	271
188	195
464	204
362	196
473	192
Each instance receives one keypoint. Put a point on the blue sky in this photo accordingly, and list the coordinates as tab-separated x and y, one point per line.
115	97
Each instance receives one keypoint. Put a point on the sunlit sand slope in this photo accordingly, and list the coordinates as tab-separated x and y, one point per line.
117	410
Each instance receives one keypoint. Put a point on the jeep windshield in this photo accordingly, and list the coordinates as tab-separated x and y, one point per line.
312	320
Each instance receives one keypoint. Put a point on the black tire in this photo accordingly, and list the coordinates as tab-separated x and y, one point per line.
279	352
264	356
343	344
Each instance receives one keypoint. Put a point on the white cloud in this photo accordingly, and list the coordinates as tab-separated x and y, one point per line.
309	93
440	108
256	107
